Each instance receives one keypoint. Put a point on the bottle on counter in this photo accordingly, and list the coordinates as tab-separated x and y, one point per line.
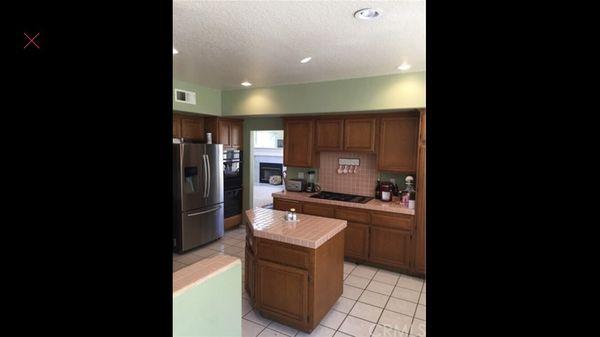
386	191
409	194
378	189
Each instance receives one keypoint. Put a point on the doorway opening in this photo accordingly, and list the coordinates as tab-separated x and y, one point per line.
267	166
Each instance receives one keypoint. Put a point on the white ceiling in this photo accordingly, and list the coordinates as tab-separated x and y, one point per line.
223	43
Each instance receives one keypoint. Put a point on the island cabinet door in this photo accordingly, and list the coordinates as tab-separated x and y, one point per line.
250	275
282	291
356	241
390	247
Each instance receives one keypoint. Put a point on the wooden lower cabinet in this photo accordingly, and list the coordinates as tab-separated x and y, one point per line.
283	291
382	239
390	247
250	271
294	285
356	241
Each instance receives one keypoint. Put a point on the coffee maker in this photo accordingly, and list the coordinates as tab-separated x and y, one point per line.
310	183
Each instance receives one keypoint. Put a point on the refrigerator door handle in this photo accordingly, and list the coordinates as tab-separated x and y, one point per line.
208	181
204	212
204	162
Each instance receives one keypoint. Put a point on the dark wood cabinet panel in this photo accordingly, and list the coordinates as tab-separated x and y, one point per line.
359	134
356	241
192	128
249	275
298	144
398	144
223	134
285	205
283	290
329	135
420	211
236	134
318	210
353	215
392	220
390	247
228	132
176	126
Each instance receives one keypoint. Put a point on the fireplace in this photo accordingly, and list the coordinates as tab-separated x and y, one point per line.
266	170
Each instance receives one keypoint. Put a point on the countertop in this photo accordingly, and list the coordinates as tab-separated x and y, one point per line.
393	206
309	231
200	271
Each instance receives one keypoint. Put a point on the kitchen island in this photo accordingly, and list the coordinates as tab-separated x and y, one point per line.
294	270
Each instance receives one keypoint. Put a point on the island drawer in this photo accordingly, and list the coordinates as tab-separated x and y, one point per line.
282	253
390	220
285	205
352	215
327	211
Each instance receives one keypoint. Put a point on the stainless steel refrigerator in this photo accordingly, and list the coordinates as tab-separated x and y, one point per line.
197	194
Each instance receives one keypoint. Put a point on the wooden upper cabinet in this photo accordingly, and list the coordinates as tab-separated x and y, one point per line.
192	128
298	144
329	134
359	134
236	133
228	132
176	126
398	144
223	134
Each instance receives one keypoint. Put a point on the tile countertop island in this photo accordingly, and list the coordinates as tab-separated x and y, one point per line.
374	205
294	270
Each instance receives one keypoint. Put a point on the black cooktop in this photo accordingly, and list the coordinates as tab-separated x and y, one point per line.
341	197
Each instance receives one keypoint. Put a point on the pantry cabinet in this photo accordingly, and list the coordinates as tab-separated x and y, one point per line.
419	262
398	144
298	145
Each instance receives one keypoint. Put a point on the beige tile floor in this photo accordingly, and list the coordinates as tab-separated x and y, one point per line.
375	302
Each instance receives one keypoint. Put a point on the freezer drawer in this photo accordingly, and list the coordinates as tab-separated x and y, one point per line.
201	226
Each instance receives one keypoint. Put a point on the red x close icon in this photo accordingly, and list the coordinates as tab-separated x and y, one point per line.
31	40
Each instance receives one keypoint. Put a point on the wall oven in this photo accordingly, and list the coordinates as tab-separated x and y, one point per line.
232	182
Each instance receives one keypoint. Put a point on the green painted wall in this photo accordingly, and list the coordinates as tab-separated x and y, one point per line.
400	91
254	124
208	100
211	308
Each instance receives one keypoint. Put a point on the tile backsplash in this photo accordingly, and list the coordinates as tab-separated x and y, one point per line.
361	183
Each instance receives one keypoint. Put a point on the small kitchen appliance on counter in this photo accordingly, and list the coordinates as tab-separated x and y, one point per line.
295	185
310	184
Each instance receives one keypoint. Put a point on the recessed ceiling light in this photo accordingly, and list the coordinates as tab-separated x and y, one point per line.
404	66
175	51
246	83
367	13
306	59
